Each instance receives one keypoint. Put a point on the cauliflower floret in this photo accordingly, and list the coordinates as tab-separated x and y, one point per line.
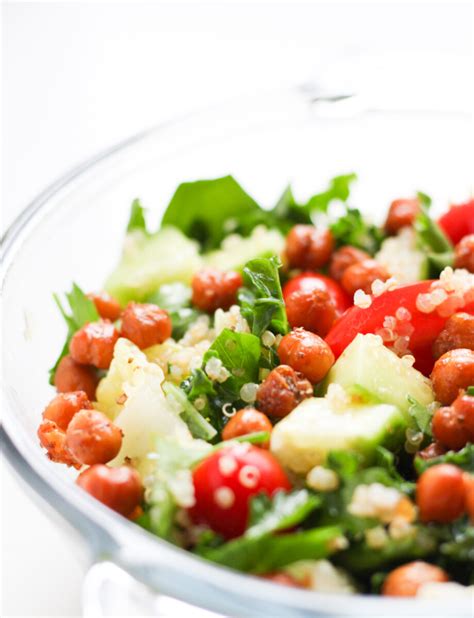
401	257
132	395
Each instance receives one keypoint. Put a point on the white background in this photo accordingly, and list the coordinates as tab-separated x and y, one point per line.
78	77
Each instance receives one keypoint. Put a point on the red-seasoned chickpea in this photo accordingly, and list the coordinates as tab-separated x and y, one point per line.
284	579
449	429
452	372
92	438
64	406
308	247
440	494
245	421
53	439
282	390
71	376
435	449
405	580
118	488
93	344
469	488
463	406
314	310
145	324
343	258
402	213
458	332
464	253
361	275
214	289
107	307
306	353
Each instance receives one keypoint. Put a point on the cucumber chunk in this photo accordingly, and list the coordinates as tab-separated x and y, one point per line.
317	426
236	250
148	261
367	363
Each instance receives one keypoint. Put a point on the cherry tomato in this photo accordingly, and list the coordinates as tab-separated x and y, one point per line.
226	480
427	326
312	281
469	487
458	221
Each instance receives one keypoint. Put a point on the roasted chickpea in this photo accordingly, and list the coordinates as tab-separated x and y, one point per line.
449	429
435	449
314	310
93	344
64	406
145	325
343	258
92	438
107	307
405	580
464	253
440	494
284	579
214	289
463	406
71	376
452	372
361	275
458	332
248	420
53	439
306	353
282	390
402	213
118	488
308	247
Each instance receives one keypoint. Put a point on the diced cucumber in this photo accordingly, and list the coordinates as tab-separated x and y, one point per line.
304	438
236	250
148	261
366	362
401	257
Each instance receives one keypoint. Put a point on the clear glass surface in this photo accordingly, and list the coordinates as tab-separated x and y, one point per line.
74	231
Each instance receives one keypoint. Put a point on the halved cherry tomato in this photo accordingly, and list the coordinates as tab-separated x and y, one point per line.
427	326
226	480
309	281
458	221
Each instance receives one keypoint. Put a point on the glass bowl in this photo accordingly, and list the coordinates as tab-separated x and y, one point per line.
74	231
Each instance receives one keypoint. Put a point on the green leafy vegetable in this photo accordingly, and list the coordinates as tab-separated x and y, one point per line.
433	242
353	229
281	511
136	220
208	210
424	199
82	311
338	189
269	553
261	298
470	391
421	415
198	425
463	459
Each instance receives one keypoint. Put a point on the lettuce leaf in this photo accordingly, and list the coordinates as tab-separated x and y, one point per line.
82	311
261	298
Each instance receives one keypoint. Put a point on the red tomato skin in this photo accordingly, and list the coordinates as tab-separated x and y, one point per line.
458	221
309	281
427	325
223	469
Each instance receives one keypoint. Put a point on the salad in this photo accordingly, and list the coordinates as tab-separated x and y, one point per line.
288	392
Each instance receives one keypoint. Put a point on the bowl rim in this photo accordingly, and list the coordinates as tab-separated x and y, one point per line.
109	534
